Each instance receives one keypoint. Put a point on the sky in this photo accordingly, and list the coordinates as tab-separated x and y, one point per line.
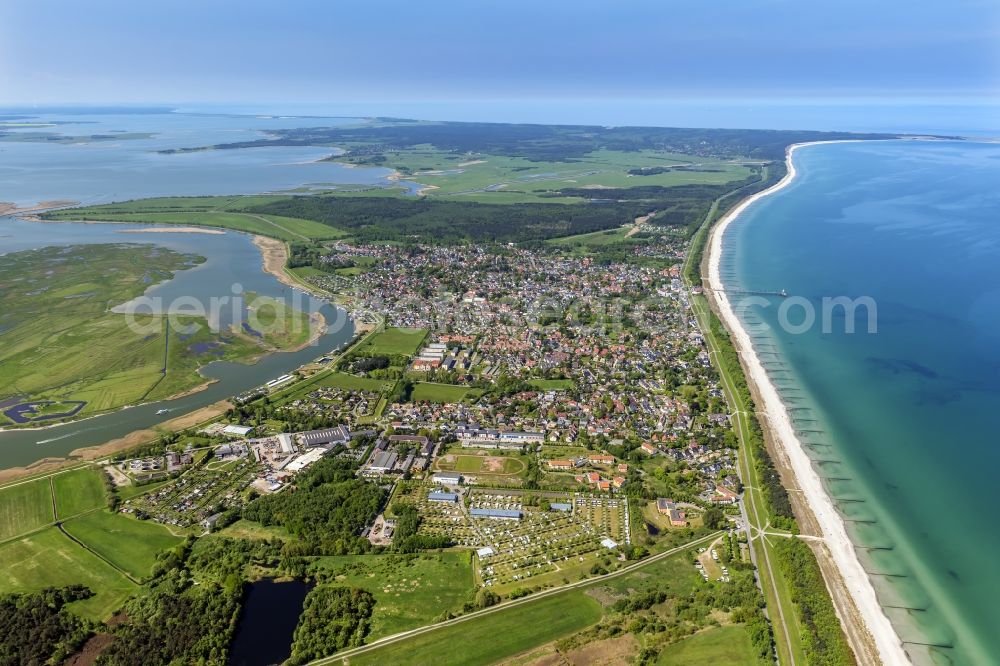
345	51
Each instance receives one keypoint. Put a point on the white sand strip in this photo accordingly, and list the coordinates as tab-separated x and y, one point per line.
888	644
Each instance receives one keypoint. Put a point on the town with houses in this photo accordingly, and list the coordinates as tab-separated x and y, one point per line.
541	409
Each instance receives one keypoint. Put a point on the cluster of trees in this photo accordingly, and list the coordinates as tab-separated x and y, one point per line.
365	364
327	510
406	538
258	412
37	629
822	638
176	623
333	618
309	254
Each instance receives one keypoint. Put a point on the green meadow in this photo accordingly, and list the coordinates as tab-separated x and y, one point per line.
223	212
50	559
507	179
410	590
491	637
394	341
78	491
61	342
441	392
720	646
129	544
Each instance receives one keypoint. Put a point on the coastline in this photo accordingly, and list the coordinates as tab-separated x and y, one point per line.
852	576
132	439
7	208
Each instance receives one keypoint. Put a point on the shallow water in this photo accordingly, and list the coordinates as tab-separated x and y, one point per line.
118	170
899	422
232	260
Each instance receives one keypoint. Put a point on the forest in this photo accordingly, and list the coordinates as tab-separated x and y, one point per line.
392	218
543	143
37	628
327	511
333	617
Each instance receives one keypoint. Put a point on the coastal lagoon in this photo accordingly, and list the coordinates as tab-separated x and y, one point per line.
899	422
96	158
70	163
232	259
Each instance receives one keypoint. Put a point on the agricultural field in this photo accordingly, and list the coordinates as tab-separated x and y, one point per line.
50	559
410	590
60	344
130	545
431	392
394	341
24	507
493	636
78	491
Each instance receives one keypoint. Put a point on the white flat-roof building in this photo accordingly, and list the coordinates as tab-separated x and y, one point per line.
237	430
305	460
286	443
447	479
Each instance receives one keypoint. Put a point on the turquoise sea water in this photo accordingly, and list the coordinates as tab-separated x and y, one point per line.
901	422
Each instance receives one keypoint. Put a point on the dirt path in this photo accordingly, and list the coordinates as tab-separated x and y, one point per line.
637	226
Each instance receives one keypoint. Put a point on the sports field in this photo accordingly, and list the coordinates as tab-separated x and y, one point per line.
24	507
129	544
78	491
392	341
474	464
411	591
441	392
50	559
489	638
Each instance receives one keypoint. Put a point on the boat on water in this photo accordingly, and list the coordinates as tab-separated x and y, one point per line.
161	411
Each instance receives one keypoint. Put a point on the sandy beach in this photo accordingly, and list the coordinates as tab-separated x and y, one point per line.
275	255
833	530
7	208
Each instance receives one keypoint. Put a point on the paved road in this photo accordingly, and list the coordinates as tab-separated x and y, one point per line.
395	638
